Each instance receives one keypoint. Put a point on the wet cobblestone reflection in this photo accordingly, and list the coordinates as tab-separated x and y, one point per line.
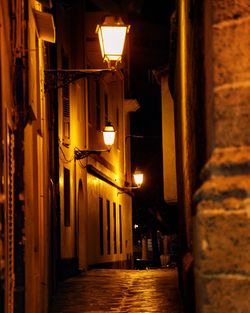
123	291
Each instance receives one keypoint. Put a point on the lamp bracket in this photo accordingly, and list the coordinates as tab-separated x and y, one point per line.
127	189
133	187
81	154
55	79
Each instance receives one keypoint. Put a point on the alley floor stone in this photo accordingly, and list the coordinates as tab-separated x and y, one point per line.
123	291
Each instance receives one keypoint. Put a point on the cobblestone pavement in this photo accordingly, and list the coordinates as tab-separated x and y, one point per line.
123	291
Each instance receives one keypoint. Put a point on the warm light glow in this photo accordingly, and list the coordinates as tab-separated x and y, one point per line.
61	181
112	36
138	177
112	39
109	135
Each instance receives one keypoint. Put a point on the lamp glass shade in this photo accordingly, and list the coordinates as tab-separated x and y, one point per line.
112	35
138	177
109	135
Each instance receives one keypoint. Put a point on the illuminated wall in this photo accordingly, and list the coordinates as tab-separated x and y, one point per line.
168	143
36	175
85	107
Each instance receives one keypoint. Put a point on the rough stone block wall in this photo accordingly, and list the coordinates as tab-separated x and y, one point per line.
222	258
232	115
231	47
222	223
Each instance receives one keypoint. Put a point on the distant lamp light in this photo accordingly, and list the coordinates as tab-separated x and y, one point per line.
109	135
136	226
112	35
138	177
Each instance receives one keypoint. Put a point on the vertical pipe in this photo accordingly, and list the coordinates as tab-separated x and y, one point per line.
182	17
183	81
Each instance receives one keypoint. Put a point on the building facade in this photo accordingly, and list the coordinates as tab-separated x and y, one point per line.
95	217
7	163
58	214
24	154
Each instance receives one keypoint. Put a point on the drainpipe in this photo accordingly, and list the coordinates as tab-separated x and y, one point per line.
182	86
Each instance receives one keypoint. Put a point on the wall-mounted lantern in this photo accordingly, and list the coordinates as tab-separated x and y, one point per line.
112	34
108	137
138	178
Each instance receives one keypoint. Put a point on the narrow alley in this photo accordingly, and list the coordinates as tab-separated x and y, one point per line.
116	290
124	151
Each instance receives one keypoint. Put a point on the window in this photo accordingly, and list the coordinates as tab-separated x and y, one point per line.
108	227
66	197
118	128
114	220
106	109
120	225
66	104
66	114
98	105
89	101
101	225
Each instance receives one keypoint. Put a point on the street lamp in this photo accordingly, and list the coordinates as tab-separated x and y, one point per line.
108	137
112	34
138	179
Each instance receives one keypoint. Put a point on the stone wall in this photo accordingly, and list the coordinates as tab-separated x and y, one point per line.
222	261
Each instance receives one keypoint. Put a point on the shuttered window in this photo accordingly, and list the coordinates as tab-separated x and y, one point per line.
118	128
114	228
120	224
66	197
101	225
98	105
9	230
106	109
108	227
66	104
